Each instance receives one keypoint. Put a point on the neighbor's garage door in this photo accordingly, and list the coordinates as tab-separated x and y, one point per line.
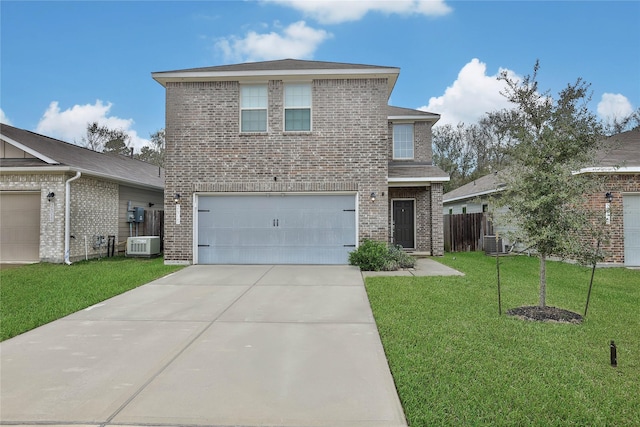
19	227
276	229
631	215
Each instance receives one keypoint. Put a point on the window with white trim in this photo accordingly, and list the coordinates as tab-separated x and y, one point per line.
297	107
253	108
403	141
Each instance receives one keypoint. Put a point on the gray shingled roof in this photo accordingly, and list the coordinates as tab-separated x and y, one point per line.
118	168
622	150
484	185
279	65
409	170
399	111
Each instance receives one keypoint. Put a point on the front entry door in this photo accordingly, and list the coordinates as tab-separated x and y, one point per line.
404	223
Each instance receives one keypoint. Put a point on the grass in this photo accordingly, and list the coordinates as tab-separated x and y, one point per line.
455	361
35	294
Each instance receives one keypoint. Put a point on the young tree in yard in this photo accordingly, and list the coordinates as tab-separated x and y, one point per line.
556	138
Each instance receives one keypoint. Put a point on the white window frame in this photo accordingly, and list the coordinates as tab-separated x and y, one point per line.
297	106
253	108
413	141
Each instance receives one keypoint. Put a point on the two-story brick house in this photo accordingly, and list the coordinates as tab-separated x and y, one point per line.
294	162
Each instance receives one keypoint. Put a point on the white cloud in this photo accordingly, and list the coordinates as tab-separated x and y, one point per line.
71	124
614	106
471	95
4	119
295	41
335	12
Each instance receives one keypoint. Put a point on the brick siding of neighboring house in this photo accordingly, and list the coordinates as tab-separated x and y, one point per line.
618	185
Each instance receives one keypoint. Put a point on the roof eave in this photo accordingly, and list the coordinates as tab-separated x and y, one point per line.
609	169
471	196
165	77
85	172
415	181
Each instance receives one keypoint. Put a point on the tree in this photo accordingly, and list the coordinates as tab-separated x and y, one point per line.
619	125
154	153
467	152
545	198
102	138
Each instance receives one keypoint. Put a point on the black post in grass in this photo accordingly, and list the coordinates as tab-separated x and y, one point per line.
614	354
593	272
498	270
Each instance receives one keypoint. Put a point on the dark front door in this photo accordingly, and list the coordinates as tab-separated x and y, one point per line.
404	227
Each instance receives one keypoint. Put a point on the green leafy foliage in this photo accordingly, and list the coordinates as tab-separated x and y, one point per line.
372	255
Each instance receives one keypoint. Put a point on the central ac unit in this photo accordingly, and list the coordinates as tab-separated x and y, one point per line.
143	246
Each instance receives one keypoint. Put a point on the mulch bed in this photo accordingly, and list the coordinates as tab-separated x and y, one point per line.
545	314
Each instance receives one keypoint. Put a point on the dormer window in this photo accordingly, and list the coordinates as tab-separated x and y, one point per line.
403	141
253	108
297	107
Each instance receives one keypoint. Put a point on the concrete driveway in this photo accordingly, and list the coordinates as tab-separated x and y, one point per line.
209	345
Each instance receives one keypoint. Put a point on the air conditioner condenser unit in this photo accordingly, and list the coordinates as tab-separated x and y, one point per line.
143	246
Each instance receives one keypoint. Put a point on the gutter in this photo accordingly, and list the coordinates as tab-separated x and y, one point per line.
67	214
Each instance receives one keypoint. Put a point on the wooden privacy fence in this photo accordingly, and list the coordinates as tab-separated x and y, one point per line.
154	225
465	232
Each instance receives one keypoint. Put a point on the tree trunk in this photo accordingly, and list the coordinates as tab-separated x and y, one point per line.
543	281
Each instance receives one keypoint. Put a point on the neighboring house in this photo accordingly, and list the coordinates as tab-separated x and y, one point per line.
295	162
619	163
60	202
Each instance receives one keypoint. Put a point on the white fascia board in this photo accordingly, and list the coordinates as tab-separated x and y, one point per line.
235	75
471	196
414	182
417	117
609	169
180	76
26	149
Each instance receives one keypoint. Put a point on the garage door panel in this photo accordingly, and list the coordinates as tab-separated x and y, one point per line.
20	227
290	229
631	218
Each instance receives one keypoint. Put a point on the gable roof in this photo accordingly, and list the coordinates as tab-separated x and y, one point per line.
291	68
487	184
399	113
59	155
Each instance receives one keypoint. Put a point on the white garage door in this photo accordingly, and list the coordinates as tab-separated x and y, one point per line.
631	215
19	227
276	229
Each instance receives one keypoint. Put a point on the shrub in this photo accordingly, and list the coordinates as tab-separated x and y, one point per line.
378	256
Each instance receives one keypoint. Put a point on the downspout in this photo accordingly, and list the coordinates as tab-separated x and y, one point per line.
67	214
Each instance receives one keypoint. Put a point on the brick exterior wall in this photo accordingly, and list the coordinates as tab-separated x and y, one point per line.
423	148
93	207
347	150
94	212
617	185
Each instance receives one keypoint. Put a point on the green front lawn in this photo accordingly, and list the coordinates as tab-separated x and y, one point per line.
32	295
456	362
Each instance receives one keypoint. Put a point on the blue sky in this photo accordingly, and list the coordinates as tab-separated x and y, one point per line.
64	64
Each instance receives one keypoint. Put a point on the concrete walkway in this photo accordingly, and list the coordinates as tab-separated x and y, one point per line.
209	345
424	267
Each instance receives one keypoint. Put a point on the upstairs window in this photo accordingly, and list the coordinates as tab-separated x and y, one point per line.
403	141
297	108
253	108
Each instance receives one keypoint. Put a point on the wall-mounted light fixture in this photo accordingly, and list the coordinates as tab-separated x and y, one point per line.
176	198
50	196
609	197
373	196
